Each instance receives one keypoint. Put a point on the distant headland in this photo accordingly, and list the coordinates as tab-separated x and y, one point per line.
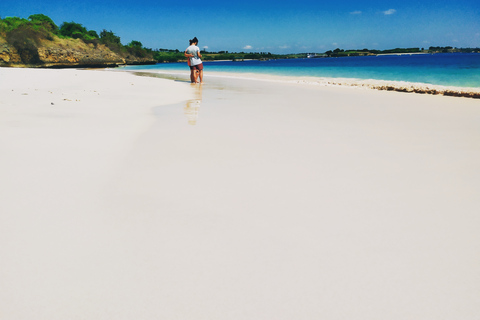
39	42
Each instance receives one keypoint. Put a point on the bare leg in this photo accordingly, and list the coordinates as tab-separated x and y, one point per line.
201	76
192	76
196	76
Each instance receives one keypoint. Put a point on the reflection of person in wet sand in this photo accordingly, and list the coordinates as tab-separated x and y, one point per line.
195	61
193	106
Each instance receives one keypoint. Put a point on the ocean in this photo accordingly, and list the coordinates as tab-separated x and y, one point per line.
447	69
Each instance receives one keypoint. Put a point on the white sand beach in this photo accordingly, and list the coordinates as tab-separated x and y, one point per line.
128	197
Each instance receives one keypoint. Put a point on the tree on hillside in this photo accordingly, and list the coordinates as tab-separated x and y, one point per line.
73	30
108	37
77	31
112	41
45	21
136	48
93	34
11	23
136	44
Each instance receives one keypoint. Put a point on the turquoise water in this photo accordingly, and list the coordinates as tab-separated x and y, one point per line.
449	69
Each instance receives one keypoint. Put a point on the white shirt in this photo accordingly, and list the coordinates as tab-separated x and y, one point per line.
195	60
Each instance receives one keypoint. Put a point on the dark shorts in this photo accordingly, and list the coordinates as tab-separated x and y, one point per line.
197	67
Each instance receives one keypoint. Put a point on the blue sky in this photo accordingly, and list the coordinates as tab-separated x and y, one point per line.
273	26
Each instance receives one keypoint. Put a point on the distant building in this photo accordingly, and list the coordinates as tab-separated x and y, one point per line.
314	55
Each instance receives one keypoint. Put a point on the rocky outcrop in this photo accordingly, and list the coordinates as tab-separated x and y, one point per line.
8	54
64	53
75	53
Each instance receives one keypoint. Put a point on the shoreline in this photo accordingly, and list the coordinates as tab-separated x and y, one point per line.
382	85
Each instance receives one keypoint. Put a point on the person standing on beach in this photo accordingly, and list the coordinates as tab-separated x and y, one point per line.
194	56
193	75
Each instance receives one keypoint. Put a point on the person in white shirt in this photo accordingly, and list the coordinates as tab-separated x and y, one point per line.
195	61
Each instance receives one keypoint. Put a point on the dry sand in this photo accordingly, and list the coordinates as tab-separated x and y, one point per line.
155	199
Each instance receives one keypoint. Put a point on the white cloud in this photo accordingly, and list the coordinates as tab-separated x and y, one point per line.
356	12
389	12
205	47
284	47
247	47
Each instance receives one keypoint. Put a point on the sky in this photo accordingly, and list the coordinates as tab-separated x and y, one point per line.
270	26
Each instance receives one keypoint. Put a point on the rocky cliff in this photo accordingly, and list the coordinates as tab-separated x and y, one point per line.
61	53
8	54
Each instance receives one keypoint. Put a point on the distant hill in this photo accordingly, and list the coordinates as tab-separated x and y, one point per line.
39	42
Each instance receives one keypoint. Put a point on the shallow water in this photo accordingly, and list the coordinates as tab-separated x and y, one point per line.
451	69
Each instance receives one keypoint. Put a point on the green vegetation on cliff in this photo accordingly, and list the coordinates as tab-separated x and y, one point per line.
27	36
